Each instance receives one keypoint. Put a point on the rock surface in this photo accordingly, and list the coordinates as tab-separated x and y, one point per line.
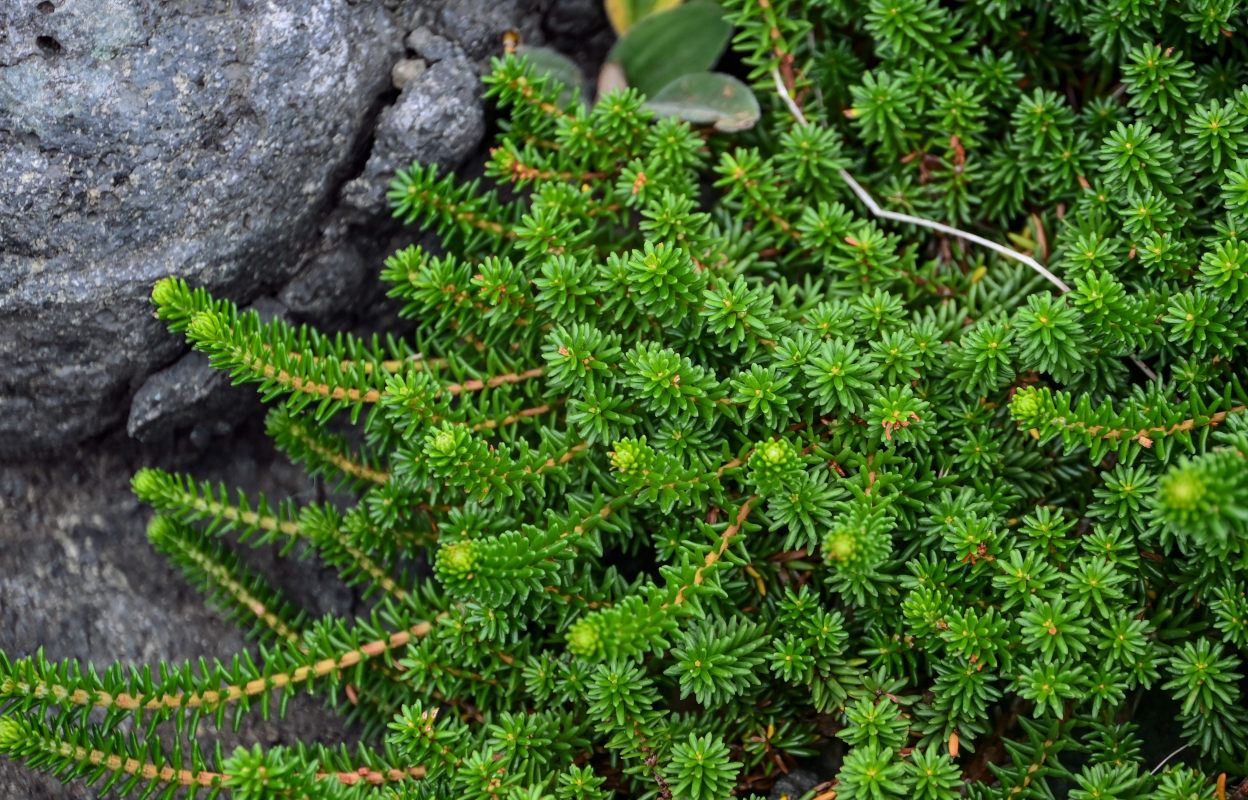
78	577
190	396
142	139
438	113
795	784
237	145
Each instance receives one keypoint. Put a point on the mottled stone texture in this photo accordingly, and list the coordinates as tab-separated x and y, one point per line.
439	111
142	139
78	578
240	144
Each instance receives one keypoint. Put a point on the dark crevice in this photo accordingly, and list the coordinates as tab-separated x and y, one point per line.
49	46
339	225
354	167
360	152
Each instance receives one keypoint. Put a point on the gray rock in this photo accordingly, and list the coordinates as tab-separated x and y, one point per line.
437	119
191	397
182	396
228	143
140	138
330	284
478	25
430	46
78	578
406	71
793	785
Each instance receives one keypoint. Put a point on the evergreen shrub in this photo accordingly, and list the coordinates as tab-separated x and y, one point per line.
717	465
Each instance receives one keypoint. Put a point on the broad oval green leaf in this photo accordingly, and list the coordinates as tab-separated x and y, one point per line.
708	98
550	62
662	47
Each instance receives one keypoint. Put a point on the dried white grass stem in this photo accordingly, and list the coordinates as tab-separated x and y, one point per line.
875	208
939	226
1148	373
1157	768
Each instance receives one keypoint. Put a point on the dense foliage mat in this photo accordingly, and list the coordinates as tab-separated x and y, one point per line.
719	464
